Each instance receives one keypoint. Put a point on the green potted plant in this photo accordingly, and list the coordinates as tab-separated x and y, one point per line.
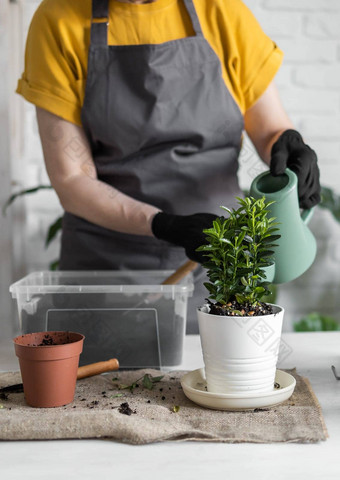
240	333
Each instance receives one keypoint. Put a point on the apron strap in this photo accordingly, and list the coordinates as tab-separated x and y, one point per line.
194	17
100	11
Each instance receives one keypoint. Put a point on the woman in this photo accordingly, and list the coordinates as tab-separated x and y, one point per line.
141	113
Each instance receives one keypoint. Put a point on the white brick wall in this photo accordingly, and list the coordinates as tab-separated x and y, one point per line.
41	209
322	26
309	82
298	5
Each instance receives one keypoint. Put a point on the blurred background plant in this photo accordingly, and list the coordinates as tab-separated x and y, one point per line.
53	229
316	322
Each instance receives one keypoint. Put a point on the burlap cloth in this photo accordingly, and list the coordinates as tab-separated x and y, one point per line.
155	417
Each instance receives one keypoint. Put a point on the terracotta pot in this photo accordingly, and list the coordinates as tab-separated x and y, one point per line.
240	353
48	364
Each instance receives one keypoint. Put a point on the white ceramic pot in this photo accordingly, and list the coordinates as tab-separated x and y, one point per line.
240	353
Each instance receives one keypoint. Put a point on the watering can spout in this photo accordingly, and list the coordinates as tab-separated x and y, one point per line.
296	248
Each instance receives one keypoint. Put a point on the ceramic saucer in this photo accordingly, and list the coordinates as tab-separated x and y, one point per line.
194	387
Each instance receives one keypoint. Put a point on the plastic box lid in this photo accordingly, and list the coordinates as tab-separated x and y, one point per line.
108	281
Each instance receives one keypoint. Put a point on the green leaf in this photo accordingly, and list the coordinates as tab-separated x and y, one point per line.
220	298
241	272
267	253
217	227
271	238
330	201
267	263
259	290
53	230
205	248
248	238
123	386
28	191
157	379
226	209
209	265
240	238
225	240
147	382
266	246
54	265
240	298
271	230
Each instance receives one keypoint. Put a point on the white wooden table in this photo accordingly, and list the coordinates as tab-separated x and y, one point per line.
312	354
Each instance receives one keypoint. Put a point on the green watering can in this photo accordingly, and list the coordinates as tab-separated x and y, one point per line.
296	248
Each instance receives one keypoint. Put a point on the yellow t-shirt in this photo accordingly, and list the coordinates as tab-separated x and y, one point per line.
59	36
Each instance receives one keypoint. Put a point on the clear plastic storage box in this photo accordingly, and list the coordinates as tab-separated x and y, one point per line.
128	315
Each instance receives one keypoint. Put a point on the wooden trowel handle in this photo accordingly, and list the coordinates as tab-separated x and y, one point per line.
180	273
83	372
97	368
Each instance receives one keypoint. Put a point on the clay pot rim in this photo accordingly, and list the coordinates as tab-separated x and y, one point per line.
79	338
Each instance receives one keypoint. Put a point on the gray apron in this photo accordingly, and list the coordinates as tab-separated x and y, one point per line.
163	129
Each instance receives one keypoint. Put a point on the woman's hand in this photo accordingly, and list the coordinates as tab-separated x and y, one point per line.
184	230
279	145
291	151
73	175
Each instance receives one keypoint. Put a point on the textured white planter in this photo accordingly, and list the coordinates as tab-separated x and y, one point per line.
240	353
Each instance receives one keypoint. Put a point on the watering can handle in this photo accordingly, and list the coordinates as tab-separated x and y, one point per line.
307	214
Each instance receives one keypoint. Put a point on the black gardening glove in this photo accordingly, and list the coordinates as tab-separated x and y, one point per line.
184	230
291	151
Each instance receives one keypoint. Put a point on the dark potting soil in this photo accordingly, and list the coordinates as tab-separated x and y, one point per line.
236	309
47	340
125	409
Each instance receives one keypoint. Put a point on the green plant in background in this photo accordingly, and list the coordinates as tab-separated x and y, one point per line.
330	201
53	229
238	251
315	322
